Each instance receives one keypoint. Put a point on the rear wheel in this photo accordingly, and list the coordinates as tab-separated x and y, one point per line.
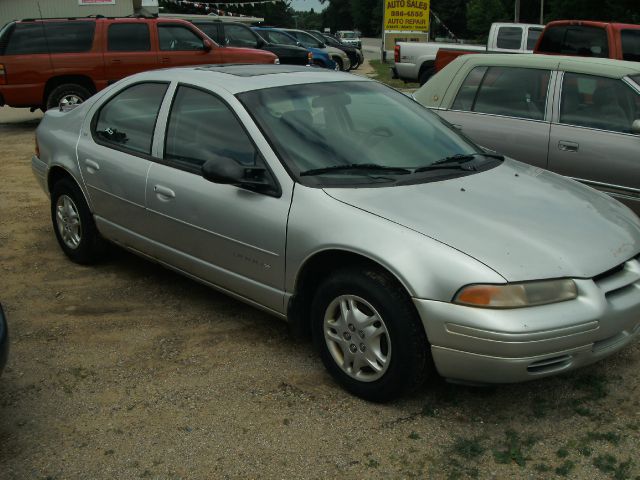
426	74
369	336
73	224
339	64
67	94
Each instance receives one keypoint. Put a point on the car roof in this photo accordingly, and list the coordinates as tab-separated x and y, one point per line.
604	67
237	78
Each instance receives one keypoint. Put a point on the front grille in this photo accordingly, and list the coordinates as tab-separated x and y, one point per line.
549	364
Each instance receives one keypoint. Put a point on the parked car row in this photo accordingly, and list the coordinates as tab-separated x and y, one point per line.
44	63
406	245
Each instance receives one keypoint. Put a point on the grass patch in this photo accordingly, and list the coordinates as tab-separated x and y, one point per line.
383	74
610	437
468	448
565	469
514	451
414	436
609	464
595	386
562	453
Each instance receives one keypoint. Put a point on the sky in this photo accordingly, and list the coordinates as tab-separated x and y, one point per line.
306	5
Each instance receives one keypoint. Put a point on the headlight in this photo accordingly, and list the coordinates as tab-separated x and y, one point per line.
515	295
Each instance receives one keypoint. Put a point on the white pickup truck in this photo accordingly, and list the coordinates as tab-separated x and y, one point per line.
415	61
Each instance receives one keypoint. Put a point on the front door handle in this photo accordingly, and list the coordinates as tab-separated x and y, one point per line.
566	146
116	60
92	167
164	193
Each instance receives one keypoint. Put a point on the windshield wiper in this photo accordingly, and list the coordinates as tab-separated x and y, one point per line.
457	162
356	167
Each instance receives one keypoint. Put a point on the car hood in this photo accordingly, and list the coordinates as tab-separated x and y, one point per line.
523	222
250	52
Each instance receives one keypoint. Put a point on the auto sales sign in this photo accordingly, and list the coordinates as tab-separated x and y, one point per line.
406	16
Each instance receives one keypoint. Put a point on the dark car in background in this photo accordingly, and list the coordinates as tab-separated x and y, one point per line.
279	38
4	340
355	55
235	34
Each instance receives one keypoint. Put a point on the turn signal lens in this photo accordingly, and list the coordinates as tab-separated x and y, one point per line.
310	58
276	61
516	295
3	73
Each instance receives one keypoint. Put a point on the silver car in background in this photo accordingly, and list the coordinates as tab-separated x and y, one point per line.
576	116
416	245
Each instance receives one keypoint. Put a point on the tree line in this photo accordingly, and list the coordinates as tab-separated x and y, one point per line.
469	19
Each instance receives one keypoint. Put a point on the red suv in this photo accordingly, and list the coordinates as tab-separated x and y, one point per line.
47	62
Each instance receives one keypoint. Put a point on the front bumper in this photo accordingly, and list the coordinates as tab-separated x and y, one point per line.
4	340
513	345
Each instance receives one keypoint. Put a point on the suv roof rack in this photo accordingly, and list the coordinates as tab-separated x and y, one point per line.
96	17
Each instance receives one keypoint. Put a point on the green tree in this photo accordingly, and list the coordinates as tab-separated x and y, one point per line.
482	13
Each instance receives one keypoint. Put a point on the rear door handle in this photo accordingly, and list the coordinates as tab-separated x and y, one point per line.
566	146
92	167
164	59
164	193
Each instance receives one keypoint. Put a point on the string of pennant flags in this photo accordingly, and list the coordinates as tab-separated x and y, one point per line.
212	5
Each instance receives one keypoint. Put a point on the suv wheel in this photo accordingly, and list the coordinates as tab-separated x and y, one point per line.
339	64
73	224
67	94
369	335
426	74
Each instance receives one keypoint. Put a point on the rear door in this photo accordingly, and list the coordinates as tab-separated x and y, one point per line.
114	153
506	109
128	49
591	137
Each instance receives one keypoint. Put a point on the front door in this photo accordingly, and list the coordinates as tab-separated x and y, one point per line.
592	140
228	236
180	45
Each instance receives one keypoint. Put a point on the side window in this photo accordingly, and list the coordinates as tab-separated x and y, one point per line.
239	36
597	102
467	93
586	42
513	92
509	37
51	37
129	37
201	128
178	37
127	120
532	37
630	45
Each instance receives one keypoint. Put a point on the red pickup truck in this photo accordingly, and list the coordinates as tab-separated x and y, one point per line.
620	41
47	62
584	38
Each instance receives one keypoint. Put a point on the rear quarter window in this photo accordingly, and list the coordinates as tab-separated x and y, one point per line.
50	37
630	45
509	38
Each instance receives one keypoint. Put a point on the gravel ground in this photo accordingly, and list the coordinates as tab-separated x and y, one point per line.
126	370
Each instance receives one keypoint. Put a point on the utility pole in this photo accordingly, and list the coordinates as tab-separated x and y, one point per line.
517	12
541	12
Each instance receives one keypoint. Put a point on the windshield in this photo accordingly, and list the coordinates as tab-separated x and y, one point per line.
338	124
308	40
348	35
278	37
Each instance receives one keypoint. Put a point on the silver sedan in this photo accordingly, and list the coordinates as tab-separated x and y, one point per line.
353	212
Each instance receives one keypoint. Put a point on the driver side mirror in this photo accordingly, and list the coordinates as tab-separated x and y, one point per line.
227	171
635	127
207	45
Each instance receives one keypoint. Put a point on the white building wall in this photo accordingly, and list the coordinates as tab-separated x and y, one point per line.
19	9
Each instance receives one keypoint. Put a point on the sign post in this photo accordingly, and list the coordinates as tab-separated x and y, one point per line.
404	21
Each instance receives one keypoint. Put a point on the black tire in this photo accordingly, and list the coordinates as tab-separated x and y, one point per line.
90	246
339	63
77	92
409	361
425	74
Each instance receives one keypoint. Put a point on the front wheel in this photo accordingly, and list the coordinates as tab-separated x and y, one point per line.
339	64
73	224
369	335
